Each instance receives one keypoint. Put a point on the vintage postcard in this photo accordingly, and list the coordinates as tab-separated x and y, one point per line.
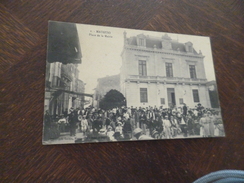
107	84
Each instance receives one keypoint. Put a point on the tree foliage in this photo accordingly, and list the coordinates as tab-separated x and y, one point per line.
112	99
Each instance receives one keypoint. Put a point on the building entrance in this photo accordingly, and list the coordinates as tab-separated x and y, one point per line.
171	97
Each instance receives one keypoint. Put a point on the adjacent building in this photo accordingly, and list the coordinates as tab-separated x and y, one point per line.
160	71
104	85
63	88
213	94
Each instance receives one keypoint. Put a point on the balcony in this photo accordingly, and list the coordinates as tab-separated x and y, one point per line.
56	82
164	79
65	72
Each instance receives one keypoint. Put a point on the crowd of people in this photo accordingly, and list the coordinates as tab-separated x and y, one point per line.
142	123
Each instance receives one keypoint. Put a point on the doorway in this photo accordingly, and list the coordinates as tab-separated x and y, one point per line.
171	97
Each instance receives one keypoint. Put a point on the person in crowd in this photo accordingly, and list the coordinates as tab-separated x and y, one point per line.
133	122
119	120
127	129
72	122
47	119
158	128
150	120
219	127
204	122
136	117
110	133
113	121
108	119
65	113
174	126
138	134
47	125
129	111
167	125
84	125
164	113
118	133
79	115
211	123
61	123
183	125
97	125
143	121
184	110
126	115
200	109
89	120
190	124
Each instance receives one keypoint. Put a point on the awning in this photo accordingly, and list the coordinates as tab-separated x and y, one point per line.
76	93
57	91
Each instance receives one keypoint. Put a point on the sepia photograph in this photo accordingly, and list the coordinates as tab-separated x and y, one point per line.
108	84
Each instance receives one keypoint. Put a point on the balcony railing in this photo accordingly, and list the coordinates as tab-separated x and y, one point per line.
164	79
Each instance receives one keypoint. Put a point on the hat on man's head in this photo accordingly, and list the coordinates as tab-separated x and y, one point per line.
137	131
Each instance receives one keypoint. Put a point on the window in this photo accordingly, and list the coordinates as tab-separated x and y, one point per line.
181	100
169	69
142	68
190	48
195	96
162	101
141	42
143	95
192	71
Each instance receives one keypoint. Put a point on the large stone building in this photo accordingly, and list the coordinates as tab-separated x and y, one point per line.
159	71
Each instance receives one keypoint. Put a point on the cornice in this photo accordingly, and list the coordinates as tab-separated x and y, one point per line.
165	52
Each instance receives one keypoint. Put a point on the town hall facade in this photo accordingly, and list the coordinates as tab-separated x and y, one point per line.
160	71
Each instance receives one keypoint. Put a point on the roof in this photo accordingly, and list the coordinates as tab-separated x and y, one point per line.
152	42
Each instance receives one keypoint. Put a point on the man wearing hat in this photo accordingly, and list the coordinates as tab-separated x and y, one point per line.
184	110
97	125
143	121
137	133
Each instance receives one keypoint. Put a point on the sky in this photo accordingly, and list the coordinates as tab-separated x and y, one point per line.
101	49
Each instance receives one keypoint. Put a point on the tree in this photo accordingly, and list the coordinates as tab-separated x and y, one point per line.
112	99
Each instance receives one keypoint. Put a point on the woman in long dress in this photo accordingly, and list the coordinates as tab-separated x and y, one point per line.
204	122
167	125
211	124
84	125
